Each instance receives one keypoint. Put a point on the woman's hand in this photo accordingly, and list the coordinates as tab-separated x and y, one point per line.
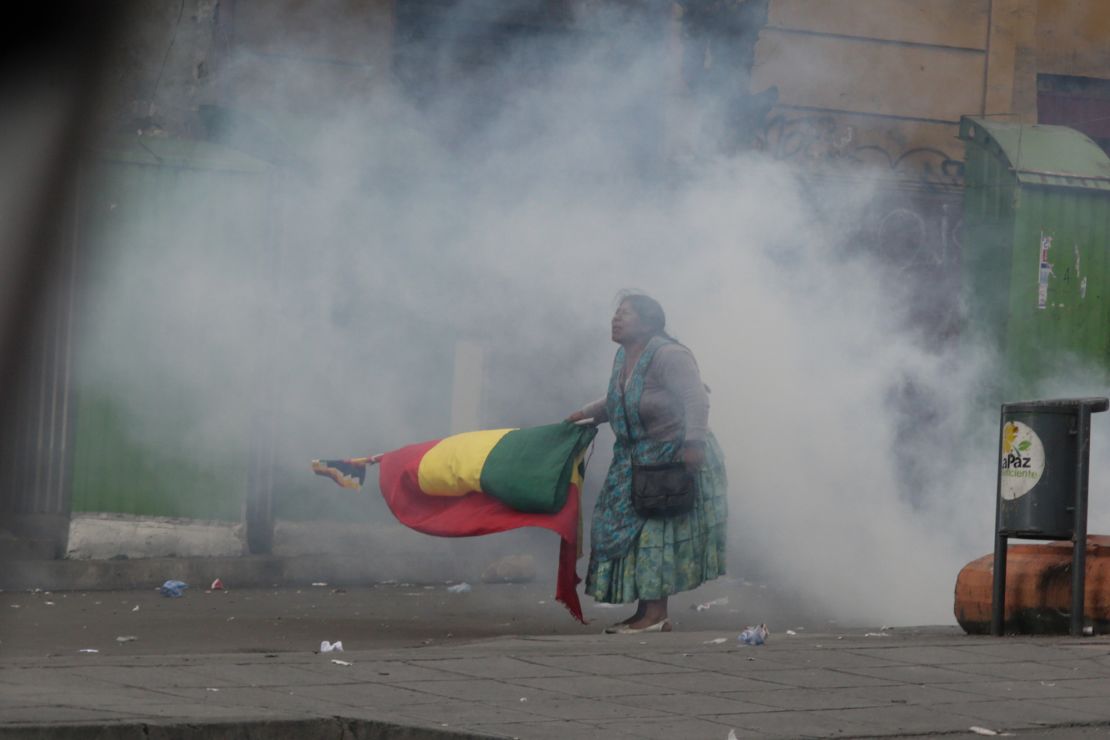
693	455
577	416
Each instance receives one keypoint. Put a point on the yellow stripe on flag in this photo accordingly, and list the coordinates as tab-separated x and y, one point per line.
454	466
576	473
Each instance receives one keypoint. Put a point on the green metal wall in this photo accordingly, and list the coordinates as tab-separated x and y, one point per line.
1030	186
1074	323
137	447
989	202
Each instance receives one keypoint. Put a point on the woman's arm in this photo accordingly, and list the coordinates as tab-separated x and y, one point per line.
594	410
679	374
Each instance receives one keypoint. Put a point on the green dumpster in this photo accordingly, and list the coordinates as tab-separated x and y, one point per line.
1036	240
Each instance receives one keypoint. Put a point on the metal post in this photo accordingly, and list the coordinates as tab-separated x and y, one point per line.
1079	538
998	592
998	588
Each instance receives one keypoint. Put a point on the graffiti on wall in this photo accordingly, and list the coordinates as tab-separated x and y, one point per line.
822	140
927	234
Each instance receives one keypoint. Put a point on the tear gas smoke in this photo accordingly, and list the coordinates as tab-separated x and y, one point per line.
509	211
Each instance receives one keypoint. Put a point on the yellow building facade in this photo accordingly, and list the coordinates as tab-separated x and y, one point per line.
884	82
877	82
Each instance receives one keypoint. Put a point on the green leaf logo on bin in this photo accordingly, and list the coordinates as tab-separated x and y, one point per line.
1022	461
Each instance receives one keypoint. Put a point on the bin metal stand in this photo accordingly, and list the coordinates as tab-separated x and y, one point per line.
1001	543
1079	552
1081	410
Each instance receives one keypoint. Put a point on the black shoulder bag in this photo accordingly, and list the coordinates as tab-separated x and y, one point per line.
663	489
660	490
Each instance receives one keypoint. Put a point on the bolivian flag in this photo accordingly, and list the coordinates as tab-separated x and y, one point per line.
483	482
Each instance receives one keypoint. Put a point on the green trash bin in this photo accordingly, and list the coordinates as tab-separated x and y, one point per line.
1037	468
1044	459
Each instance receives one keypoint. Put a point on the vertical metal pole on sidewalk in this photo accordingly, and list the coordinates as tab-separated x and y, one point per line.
1079	538
998	588
998	592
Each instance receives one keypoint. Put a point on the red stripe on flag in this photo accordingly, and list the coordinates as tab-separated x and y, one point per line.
566	583
475	514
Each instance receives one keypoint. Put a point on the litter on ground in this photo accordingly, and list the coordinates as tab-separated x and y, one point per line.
756	635
710	604
173	589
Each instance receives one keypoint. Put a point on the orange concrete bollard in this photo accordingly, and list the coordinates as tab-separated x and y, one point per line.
1038	589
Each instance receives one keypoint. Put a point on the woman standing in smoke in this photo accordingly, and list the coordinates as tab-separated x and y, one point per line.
659	411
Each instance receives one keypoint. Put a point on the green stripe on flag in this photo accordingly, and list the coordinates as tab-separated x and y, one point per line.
530	469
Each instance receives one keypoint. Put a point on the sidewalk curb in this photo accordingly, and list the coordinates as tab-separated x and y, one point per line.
324	728
236	572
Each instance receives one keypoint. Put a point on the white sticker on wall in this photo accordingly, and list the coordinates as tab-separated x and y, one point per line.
1022	460
1045	271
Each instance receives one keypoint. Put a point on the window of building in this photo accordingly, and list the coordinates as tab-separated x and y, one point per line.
1082	103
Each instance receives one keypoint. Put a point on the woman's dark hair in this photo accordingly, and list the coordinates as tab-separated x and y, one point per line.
649	311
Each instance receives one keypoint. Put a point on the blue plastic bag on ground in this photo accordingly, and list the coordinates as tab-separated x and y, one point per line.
174	589
754	635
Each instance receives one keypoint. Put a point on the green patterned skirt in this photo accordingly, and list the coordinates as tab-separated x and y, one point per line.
673	554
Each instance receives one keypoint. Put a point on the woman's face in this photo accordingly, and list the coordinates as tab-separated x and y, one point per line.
628	326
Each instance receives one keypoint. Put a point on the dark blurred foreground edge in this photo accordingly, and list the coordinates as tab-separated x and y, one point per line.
52	63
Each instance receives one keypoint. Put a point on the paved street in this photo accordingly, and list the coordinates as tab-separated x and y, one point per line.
696	682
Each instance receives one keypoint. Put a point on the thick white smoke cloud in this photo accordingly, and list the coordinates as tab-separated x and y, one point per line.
514	224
